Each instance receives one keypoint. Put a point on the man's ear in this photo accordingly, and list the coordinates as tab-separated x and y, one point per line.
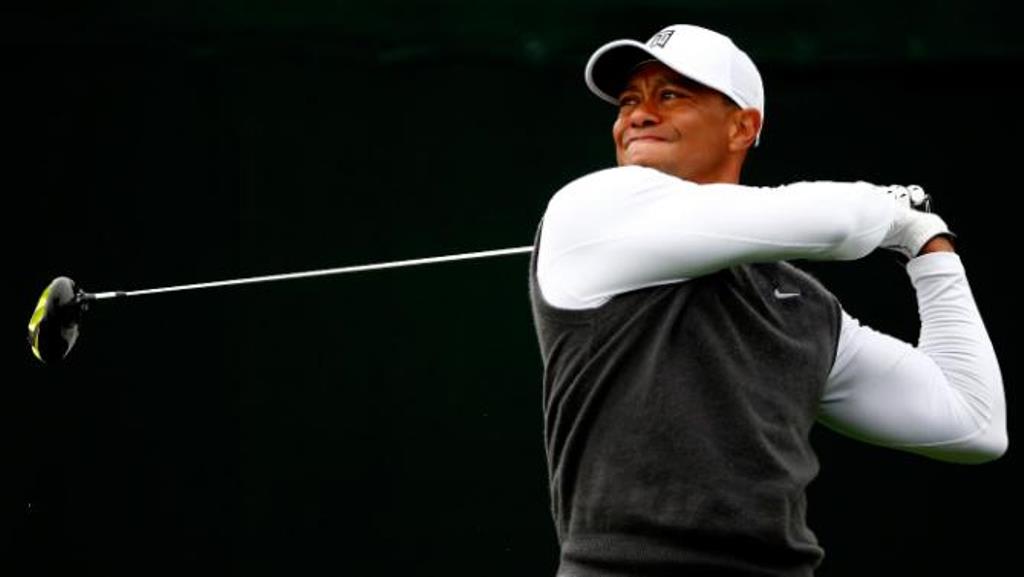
743	128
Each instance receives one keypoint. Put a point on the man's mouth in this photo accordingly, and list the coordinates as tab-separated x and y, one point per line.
632	140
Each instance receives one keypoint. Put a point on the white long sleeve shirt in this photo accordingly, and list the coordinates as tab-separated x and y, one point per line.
632	227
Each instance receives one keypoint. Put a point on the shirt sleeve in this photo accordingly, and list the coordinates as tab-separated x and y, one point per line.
944	398
631	227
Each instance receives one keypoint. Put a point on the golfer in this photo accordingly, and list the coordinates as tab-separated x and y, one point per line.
686	360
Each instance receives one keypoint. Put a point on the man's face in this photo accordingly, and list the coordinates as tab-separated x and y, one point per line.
673	124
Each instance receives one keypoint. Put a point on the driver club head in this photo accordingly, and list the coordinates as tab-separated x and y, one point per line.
53	328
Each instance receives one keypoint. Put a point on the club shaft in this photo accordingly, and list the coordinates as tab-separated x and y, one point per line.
313	273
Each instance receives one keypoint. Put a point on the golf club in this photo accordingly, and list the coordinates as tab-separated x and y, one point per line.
53	327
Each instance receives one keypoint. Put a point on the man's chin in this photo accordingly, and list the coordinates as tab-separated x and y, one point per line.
648	163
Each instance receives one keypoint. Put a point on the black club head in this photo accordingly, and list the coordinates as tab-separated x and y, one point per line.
53	328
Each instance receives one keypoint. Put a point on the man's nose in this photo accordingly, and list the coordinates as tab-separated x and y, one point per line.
643	114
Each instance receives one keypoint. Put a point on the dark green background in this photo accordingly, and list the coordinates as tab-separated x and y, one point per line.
390	423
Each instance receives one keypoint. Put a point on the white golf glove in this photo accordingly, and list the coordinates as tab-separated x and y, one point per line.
913	225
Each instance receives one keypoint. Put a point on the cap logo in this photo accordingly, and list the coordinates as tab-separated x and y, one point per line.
660	39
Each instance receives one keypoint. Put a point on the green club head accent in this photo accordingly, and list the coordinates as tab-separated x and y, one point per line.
53	328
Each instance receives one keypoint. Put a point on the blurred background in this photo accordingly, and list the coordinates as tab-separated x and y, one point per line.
389	423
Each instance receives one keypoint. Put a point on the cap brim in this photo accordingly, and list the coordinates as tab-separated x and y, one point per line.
610	66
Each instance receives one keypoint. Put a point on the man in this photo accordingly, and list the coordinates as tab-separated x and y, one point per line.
685	361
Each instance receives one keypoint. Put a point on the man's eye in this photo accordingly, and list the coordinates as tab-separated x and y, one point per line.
671	95
627	100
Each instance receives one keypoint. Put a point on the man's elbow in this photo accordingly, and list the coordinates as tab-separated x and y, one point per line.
982	449
992	448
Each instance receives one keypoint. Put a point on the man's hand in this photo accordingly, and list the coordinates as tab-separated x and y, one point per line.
913	228
913	196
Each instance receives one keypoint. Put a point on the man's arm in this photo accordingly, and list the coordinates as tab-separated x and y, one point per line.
943	399
631	227
937	244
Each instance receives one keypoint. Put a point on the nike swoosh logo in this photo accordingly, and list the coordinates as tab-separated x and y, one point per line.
781	295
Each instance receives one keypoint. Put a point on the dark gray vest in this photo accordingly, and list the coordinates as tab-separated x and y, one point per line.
677	421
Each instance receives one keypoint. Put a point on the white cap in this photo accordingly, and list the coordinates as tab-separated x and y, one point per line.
700	54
